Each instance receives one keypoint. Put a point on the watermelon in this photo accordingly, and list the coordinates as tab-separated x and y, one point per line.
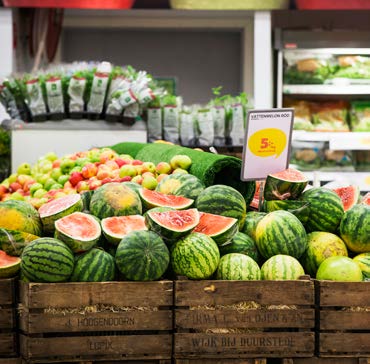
115	199
298	208
321	245
223	200
79	231
196	256
58	208
20	216
363	260
142	256
243	244
238	267
9	266
86	198
251	220
134	186
339	268
355	228
281	267
13	242
366	199
173	224
220	228
116	227
47	260
325	209
96	265
156	199
285	185
280	232
178	184
349	195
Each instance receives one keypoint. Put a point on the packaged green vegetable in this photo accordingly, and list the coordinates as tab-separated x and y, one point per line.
187	133
360	116
154	120
34	88
205	127
171	121
7	99
54	96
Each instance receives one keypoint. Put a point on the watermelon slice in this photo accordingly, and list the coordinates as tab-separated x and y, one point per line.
349	195
220	228
9	266
156	199
58	208
79	231
366	199
285	185
172	225
116	227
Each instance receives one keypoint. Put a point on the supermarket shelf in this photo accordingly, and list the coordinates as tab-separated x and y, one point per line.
326	89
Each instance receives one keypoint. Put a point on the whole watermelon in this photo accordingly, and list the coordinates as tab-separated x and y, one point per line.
363	260
238	267
280	232
281	267
250	224
325	209
355	228
339	268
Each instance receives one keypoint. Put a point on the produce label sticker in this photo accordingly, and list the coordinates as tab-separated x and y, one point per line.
267	142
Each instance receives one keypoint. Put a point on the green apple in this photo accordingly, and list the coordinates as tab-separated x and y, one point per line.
163	168
75	169
49	183
127	170
55	173
180	161
82	161
39	193
149	182
24	168
66	165
34	187
150	167
63	179
180	171
16	196
12	178
51	156
56	186
45	166
126	157
42	178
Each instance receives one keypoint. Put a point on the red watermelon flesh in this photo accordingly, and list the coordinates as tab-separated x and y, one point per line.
349	195
290	174
176	220
59	204
366	199
157	199
9	266
256	198
211	224
79	225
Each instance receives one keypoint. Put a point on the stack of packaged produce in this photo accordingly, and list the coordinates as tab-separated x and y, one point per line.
79	90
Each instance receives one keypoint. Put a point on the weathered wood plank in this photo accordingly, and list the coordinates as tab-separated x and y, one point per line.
10	361
152	346
220	361
7	344
33	323
351	344
7	318
7	291
258	344
195	293
344	293
260	318
41	295
344	320
316	360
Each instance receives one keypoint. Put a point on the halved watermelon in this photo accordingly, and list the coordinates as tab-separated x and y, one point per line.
366	199
9	266
58	208
116	227
156	199
349	195
79	231
172	225
285	185
220	228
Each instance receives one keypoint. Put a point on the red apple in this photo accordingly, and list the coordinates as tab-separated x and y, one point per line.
161	176
75	178
106	180
82	186
125	179
136	162
111	164
148	174
121	162
56	163
14	186
94	184
103	173
3	190
163	168
89	170
138	179
107	155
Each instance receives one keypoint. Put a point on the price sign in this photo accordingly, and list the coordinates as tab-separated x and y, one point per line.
267	143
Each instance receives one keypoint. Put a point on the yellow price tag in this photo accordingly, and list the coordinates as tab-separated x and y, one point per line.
365	141
367	180
267	142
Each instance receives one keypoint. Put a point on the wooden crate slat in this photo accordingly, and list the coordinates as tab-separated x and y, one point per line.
191	293
95	361
351	344
220	361
10	361
344	293
157	346
41	295
316	360
284	318
344	320
7	344
262	344
7	318
7	291
32	323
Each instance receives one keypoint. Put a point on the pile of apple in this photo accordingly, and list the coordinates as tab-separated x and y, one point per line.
52	177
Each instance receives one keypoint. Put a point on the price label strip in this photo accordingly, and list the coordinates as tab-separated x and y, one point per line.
267	143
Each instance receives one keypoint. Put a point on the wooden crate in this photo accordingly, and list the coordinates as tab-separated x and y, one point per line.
77	322
220	361
10	361
343	321
317	360
8	337
255	333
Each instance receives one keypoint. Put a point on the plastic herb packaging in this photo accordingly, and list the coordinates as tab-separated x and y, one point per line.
204	127
55	96
330	116
302	114
360	115
307	155
171	121
154	120
187	120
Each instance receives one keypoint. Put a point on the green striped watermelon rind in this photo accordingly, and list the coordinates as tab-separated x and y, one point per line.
223	200
238	267
47	260
9	266
152	199
196	256
186	185
298	208
13	242
355	228
281	267
96	265
280	232
363	260
226	227
72	203
285	185
326	209
78	244
252	219
142	256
